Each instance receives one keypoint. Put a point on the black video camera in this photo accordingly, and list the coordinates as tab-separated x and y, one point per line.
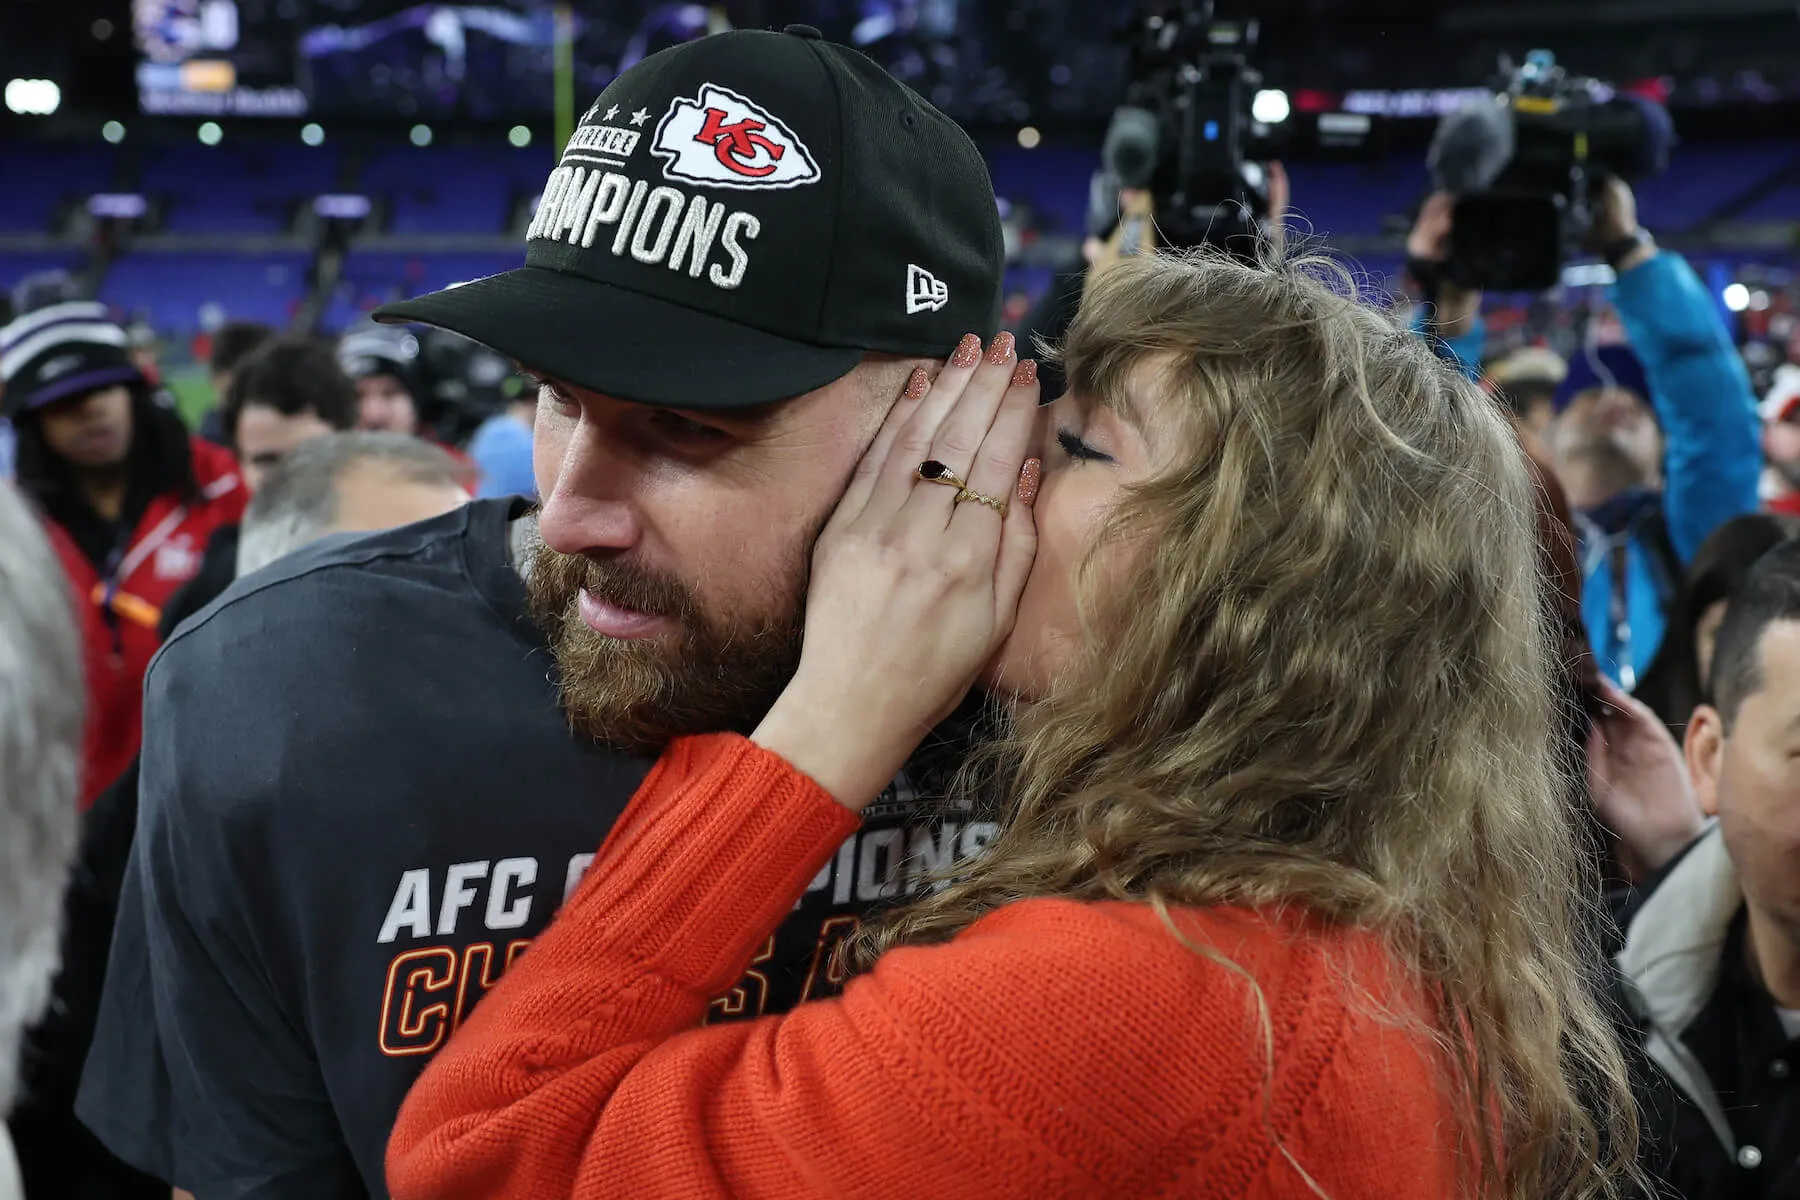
1186	133
1525	168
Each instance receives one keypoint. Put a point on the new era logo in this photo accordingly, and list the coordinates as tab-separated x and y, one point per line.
59	366
925	292
722	139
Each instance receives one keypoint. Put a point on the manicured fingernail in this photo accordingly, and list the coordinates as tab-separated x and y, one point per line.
1002	347
1030	476
968	351
917	384
1025	374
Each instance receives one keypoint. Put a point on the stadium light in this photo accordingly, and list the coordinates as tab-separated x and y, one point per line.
421	135
113	131
519	135
1029	137
312	133
33	97
210	133
1270	106
1737	297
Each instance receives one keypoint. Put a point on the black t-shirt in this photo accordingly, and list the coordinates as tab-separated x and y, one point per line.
360	801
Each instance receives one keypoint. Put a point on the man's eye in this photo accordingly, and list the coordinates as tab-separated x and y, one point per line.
674	424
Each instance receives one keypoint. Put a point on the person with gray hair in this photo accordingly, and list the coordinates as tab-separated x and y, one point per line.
40	745
336	483
347	483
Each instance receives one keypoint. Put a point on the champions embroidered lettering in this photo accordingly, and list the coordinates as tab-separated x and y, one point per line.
655	225
722	139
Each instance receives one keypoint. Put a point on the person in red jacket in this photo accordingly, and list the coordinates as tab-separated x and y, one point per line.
1284	900
129	496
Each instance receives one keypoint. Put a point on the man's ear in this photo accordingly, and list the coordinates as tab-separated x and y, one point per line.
1704	747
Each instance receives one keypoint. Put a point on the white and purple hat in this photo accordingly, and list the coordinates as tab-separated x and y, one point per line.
59	351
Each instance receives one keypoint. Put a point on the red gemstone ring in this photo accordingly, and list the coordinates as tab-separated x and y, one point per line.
933	471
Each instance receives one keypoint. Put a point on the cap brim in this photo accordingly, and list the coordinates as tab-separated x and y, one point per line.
86	381
624	344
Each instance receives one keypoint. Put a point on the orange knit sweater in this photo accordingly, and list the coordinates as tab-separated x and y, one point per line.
1053	1049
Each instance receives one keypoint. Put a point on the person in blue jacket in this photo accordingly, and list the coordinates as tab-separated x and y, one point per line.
1656	442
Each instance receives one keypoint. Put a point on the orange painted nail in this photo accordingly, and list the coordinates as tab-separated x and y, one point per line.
917	384
1025	374
968	351
1031	475
1002	347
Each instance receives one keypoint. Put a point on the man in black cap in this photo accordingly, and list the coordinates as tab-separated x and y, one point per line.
384	365
370	777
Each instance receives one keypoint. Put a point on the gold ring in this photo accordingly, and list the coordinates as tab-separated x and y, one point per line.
998	506
933	471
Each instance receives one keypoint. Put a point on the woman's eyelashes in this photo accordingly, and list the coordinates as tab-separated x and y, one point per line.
1076	449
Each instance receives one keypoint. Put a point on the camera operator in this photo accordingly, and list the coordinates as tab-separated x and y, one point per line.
1186	161
1655	443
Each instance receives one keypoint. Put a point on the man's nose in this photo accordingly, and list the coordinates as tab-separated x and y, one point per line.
593	504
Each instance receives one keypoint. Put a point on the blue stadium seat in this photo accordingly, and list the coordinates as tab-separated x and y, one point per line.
453	189
1702	180
173	289
216	189
372	277
36	180
17	264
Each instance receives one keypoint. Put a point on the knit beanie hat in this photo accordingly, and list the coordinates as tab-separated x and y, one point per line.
1602	366
62	350
380	350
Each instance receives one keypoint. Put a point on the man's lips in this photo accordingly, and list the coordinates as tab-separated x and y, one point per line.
610	620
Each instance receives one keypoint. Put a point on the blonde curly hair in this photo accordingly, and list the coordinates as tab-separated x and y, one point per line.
1328	684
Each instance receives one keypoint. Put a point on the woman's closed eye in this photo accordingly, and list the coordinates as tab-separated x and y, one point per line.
1078	450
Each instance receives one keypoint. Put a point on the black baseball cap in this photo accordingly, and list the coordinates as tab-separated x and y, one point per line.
739	220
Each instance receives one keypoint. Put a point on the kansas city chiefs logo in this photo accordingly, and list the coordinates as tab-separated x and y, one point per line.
721	139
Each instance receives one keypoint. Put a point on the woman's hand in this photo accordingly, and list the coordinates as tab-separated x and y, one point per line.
914	583
1640	784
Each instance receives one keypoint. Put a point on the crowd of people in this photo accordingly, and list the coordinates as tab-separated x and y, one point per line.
800	748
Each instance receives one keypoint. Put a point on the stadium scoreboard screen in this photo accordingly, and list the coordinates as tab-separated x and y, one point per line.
204	58
494	60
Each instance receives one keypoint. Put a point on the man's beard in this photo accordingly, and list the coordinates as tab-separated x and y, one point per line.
708	675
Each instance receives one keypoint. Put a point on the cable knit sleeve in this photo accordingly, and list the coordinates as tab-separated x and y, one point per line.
1054	1049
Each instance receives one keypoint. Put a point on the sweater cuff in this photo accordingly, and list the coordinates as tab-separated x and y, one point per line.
711	855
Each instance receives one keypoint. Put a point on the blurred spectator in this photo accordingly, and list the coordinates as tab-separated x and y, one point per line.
42	290
347	483
1676	680
501	450
341	483
231	345
287	391
290	390
1711	960
390	386
235	342
129	496
40	742
1527	380
1655	444
1781	440
144	350
384	364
